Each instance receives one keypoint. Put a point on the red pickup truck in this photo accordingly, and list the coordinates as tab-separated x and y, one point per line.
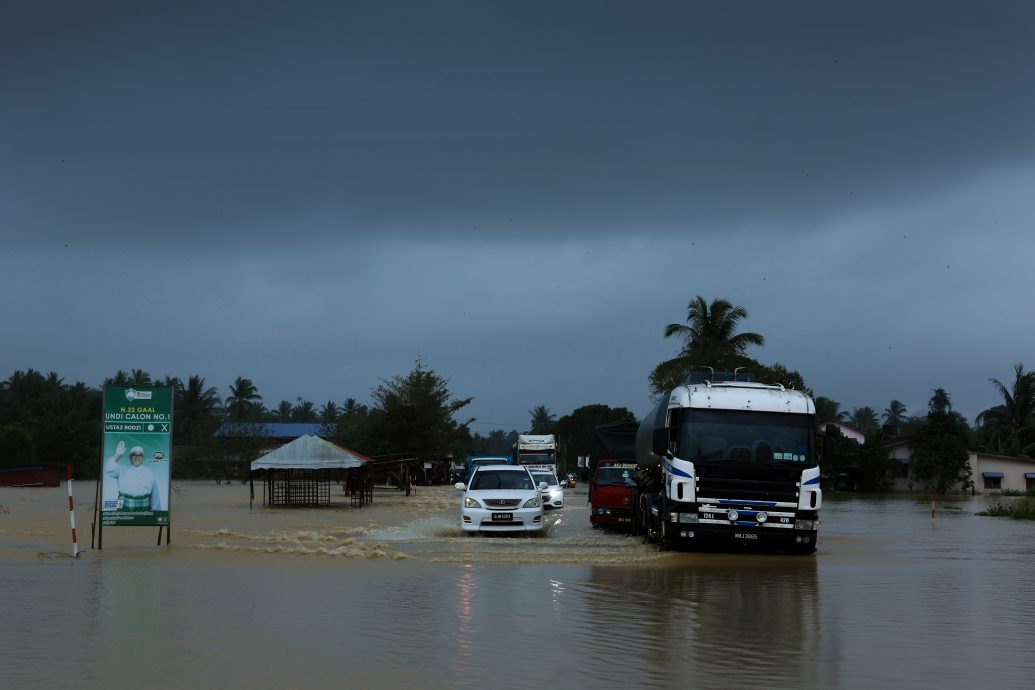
611	494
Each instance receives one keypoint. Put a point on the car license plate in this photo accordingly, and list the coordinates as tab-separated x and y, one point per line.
503	516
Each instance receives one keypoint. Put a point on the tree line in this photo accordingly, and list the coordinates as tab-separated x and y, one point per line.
43	419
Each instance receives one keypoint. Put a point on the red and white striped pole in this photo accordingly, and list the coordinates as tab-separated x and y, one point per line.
71	515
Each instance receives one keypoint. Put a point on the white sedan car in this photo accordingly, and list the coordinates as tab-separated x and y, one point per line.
553	494
501	498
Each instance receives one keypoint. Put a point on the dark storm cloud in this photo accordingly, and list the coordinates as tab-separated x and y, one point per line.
230	122
314	196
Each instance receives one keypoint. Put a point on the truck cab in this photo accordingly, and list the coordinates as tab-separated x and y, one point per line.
612	494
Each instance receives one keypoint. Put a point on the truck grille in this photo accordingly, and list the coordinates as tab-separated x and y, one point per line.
748	484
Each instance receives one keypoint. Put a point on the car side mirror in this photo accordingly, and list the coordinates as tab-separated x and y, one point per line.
543	486
460	486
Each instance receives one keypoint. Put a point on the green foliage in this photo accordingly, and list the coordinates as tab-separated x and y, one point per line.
864	419
1019	509
710	340
871	458
16	446
414	413
894	414
1009	428
497	442
710	331
244	404
62	420
352	426
542	421
196	411
575	431
304	412
827	409
940	448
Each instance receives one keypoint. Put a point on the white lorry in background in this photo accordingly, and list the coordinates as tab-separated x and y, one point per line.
538	452
536	449
730	463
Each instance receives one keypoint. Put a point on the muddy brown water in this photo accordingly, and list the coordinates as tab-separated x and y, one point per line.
394	595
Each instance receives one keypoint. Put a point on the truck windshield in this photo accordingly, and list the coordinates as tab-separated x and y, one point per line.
536	459
615	476
738	436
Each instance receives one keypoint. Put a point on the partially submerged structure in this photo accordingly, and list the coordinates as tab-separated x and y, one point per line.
300	473
32	475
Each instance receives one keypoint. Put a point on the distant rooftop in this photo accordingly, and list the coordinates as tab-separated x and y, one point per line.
278	430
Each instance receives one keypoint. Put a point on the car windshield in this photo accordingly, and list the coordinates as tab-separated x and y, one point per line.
548	477
501	479
734	436
615	476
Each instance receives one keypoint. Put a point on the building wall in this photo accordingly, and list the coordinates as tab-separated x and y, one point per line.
1012	469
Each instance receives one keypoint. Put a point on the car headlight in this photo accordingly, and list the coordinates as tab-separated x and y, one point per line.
471	503
534	502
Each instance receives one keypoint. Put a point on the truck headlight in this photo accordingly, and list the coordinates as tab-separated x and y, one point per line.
805	524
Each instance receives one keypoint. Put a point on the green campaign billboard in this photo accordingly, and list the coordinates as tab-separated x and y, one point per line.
137	451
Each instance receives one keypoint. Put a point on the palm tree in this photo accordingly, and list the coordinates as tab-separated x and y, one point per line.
709	340
710	333
284	409
542	421
864	419
894	414
352	408
304	411
139	377
196	404
121	378
827	410
244	400
1011	425
173	382
1019	400
329	413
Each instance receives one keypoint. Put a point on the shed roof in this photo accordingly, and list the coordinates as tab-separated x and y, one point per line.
310	453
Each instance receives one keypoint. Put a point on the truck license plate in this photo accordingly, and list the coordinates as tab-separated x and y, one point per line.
503	516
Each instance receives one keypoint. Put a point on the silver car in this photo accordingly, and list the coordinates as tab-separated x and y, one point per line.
553	494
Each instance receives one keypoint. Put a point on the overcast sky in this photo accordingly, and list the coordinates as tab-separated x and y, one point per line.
521	194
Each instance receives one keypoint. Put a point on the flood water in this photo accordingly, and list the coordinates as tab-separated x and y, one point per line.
393	595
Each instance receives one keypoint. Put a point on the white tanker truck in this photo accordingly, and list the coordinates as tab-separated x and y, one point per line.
730	464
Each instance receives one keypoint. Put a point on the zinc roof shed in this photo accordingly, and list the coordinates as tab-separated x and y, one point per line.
310	453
